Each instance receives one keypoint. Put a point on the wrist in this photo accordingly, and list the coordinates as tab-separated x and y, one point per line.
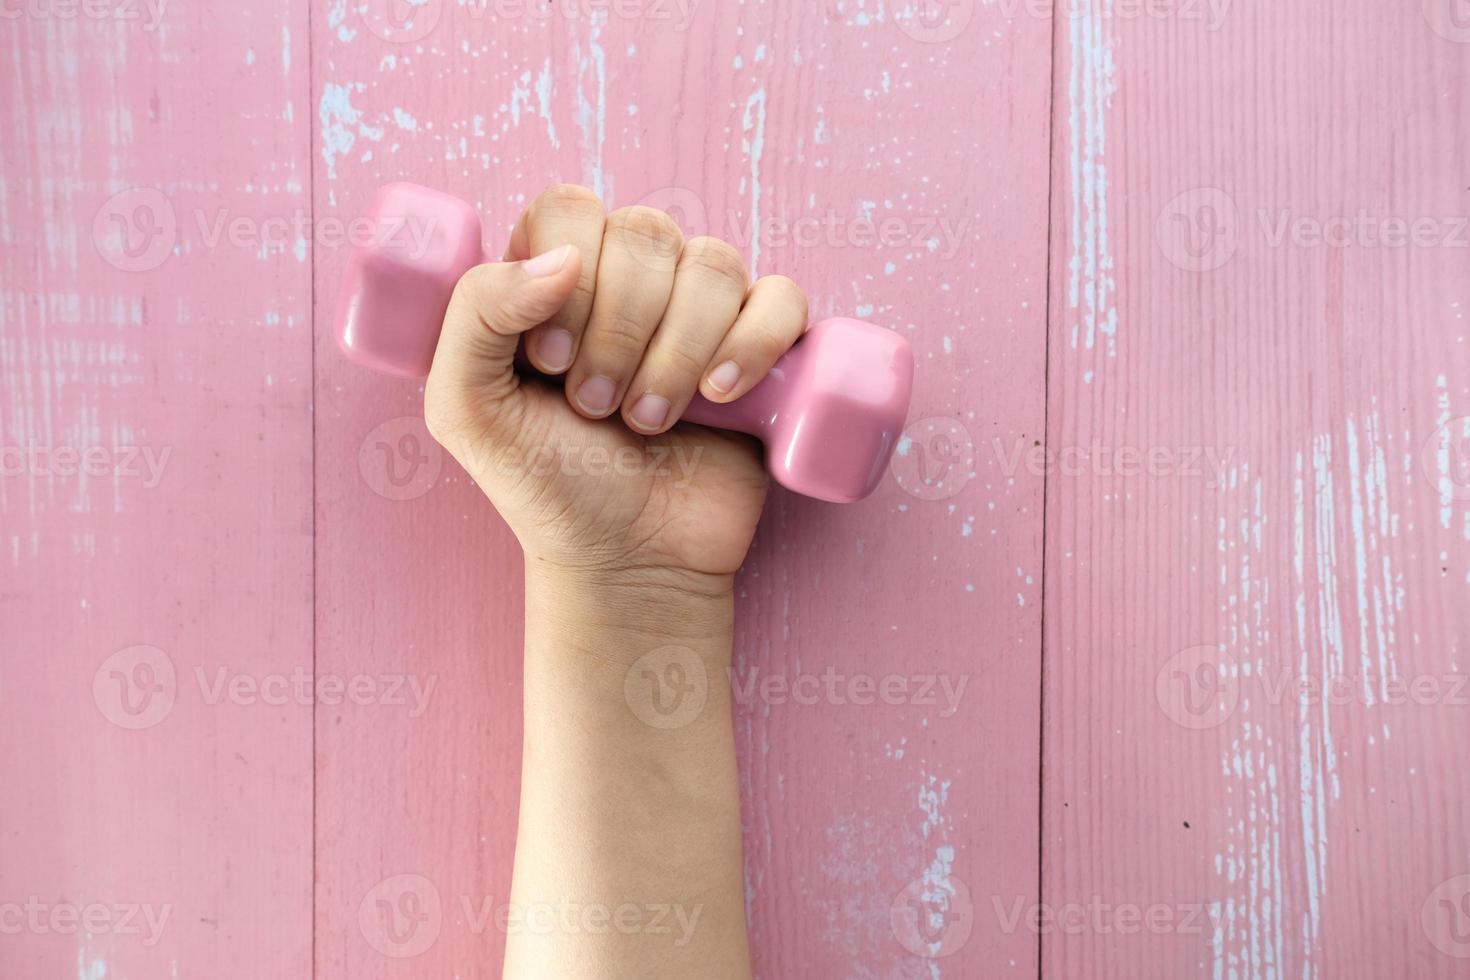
646	649
618	613
631	580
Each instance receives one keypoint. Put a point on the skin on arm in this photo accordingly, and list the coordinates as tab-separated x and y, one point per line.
641	823
628	852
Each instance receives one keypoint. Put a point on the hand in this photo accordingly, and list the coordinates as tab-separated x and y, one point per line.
637	320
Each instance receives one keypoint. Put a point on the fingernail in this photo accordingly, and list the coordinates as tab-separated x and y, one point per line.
724	378
650	412
554	350
547	263
596	395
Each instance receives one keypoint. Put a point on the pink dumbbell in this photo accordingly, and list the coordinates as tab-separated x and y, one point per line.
829	413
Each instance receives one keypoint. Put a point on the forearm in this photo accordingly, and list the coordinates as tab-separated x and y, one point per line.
628	853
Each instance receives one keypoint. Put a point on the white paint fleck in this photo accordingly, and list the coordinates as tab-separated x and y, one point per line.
938	888
337	17
1090	84
544	87
753	143
592	112
341	123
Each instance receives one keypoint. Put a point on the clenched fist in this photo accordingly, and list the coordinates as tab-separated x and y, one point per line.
637	320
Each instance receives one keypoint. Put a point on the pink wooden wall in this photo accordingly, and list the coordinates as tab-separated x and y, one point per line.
1179	462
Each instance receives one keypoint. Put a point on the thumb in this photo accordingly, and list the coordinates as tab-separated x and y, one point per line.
492	305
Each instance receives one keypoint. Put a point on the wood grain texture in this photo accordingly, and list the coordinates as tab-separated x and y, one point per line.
1254	667
155	819
818	127
1196	274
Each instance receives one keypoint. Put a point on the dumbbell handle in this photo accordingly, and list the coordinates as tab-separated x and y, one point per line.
829	411
752	413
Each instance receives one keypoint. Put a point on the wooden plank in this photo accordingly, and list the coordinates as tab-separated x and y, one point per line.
805	122
1235	278
155	501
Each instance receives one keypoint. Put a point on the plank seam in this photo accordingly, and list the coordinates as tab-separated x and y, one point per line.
311	408
1051	116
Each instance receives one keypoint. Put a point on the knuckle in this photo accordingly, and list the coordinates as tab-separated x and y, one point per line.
620	336
477	285
765	340
481	293
718	258
785	290
568	199
645	230
682	363
575	312
444	417
512	313
582	296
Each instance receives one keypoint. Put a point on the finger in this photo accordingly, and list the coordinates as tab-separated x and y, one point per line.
772	319
518	249
492	305
709	286
564	214
635	276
